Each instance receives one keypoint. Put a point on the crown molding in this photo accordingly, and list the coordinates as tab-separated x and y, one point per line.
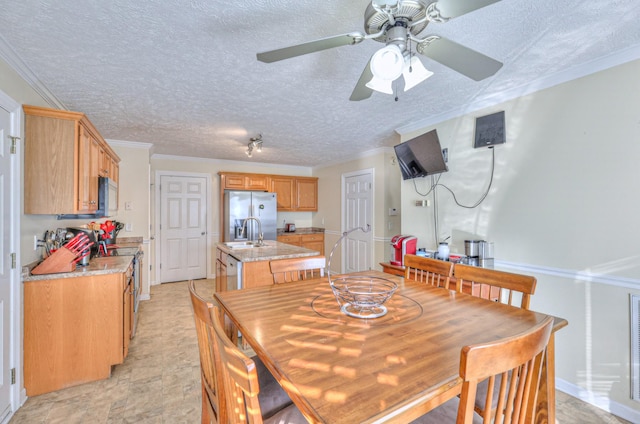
361	155
227	162
17	64
130	144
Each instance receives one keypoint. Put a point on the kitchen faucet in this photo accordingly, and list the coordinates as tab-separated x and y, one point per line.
260	235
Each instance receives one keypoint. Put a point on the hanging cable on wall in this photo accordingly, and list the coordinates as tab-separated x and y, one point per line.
455	199
486	193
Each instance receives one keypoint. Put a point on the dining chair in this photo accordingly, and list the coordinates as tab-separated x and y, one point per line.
516	360
296	269
496	283
272	397
427	270
241	385
515	286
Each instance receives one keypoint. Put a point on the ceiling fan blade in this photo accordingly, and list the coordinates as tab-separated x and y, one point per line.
459	58
454	8
310	47
361	91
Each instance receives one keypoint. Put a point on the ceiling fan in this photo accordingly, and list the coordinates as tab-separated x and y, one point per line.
397	23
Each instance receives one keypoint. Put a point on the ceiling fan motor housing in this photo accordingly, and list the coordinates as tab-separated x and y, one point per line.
407	11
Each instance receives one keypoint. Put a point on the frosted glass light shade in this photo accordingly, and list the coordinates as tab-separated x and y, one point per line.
387	63
381	85
417	74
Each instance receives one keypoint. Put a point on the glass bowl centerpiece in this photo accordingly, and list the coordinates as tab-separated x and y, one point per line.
360	296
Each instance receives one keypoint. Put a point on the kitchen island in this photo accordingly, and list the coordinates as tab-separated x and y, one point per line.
239	266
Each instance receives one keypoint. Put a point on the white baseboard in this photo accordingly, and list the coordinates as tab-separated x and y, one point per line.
145	297
599	401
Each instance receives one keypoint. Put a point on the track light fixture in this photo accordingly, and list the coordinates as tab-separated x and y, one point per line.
254	143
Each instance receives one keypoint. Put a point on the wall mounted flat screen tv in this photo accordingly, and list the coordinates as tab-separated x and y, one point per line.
421	156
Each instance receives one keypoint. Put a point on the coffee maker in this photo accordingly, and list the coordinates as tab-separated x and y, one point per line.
400	246
479	253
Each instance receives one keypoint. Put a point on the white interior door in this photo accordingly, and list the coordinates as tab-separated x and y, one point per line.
183	228
9	226
357	247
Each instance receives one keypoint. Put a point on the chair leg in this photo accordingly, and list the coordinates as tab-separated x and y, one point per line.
206	419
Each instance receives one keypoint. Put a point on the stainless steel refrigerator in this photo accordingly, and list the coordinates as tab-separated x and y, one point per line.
239	205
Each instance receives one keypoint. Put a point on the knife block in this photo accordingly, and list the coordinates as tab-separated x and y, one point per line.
62	260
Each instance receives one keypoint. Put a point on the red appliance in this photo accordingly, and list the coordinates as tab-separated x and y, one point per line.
402	245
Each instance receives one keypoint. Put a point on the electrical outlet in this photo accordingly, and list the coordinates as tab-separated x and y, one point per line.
128	227
35	242
127	206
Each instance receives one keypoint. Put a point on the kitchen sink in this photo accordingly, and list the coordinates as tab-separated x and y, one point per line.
240	244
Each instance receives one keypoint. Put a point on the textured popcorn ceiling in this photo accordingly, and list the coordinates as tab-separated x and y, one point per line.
184	75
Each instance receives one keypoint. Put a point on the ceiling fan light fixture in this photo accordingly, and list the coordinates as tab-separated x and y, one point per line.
414	73
380	85
387	63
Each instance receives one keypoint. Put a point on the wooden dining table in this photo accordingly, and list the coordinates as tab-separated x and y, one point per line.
341	369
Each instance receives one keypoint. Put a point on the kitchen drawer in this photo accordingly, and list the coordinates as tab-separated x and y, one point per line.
290	239
312	237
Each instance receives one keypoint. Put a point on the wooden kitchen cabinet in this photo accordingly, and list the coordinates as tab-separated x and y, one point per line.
313	241
284	187
64	156
307	194
236	181
88	166
295	193
293	239
75	329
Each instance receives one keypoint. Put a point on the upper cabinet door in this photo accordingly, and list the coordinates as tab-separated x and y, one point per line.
307	194
284	188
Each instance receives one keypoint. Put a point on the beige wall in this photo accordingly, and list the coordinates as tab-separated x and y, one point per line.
19	90
387	195
563	207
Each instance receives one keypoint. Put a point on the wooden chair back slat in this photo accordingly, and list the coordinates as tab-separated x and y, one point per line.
427	270
297	269
239	377
518	362
523	286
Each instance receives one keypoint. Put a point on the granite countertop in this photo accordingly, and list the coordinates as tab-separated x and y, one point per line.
272	250
298	231
97	266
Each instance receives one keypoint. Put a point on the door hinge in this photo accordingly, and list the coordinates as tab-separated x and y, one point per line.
13	261
13	144
13	376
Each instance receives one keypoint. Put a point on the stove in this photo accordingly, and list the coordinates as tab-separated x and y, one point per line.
123	251
136	276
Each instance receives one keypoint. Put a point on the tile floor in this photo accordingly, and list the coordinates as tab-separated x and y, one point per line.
160	379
